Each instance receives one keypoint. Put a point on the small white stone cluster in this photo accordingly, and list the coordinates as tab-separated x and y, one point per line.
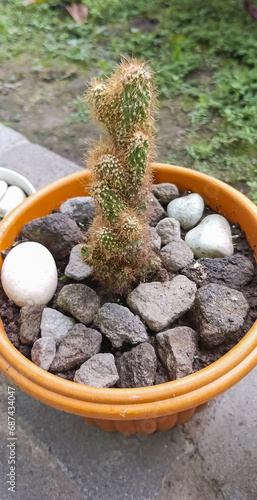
211	237
10	197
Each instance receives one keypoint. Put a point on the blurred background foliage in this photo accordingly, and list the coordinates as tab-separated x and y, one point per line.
203	52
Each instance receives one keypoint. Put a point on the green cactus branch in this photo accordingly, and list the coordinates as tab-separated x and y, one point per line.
137	157
108	201
109	170
118	246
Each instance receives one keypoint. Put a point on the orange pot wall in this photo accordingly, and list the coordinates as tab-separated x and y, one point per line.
144	409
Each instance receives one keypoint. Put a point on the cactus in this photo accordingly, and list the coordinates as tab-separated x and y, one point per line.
118	245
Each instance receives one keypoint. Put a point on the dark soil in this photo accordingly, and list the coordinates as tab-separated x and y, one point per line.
43	105
10	313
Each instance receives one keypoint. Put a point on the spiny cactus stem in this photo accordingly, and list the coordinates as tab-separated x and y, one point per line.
118	242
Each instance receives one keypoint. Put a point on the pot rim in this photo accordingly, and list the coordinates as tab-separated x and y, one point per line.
141	402
16	179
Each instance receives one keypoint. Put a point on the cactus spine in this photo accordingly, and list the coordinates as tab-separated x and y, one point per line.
118	245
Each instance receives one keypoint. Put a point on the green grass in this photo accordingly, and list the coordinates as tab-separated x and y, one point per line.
82	113
204	51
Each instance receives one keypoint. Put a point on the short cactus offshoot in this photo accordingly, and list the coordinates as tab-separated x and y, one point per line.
118	245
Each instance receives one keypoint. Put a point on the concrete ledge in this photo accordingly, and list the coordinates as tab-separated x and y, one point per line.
9	138
39	165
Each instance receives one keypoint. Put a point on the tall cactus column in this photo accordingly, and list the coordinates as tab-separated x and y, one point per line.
118	246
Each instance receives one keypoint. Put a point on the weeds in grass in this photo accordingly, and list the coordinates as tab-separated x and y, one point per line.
81	113
204	52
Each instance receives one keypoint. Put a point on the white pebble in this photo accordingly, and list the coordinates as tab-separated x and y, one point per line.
29	274
12	198
3	188
211	238
188	210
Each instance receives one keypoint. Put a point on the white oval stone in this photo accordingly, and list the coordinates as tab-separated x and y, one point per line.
29	274
211	238
11	199
3	188
187	210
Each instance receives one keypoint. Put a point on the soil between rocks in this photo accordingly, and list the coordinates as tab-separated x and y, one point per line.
10	313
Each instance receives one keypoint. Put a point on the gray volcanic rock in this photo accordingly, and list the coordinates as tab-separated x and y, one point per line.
30	319
80	208
120	325
159	304
156	211
155	238
137	368
234	272
218	313
165	192
177	348
176	255
55	324
57	232
98	371
80	301
43	352
169	230
78	346
77	269
161	376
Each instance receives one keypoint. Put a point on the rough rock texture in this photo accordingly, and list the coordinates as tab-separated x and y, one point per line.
188	210
80	208
76	268
211	238
77	347
30	319
80	301
177	348
176	255
169	230
57	232
120	325
155	238
43	352
161	374
165	192
137	368
156	211
69	375
54	324
234	272
159	304
98	371
218	313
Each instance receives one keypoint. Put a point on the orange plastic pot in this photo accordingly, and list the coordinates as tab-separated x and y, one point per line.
143	409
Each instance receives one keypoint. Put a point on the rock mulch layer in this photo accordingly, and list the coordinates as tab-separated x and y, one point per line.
87	335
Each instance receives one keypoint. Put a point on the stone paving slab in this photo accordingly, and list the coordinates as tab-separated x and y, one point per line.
224	436
60	457
38	164
212	457
10	138
39	473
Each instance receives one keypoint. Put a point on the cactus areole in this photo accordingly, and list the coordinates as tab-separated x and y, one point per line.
119	246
